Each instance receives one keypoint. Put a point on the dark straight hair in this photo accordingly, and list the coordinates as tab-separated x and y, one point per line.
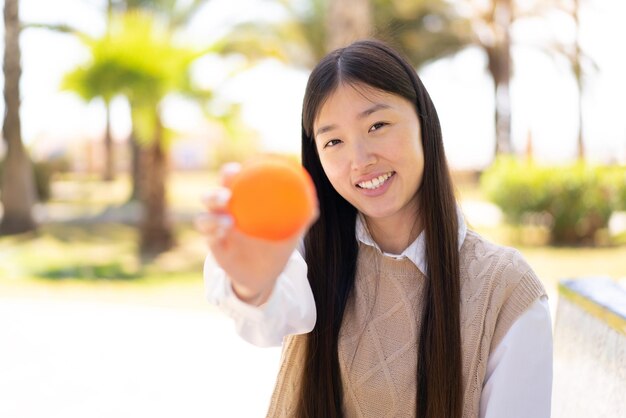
331	248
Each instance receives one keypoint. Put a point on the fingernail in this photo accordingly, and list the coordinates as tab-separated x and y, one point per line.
225	221
222	196
230	168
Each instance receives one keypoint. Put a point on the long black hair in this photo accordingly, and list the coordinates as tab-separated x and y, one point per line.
331	248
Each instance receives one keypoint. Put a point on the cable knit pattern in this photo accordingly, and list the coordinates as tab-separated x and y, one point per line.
378	338
379	335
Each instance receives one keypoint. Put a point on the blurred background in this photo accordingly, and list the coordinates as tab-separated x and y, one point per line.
118	113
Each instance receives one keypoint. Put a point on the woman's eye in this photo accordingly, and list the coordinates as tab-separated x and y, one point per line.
332	143
377	126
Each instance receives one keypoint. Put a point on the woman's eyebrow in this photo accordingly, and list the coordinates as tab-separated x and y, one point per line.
375	108
324	129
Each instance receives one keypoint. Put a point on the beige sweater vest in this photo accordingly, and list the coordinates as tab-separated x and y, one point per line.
379	335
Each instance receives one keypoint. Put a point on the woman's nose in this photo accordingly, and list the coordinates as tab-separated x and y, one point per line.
362	156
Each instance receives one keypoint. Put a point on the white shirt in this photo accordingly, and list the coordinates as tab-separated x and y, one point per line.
518	382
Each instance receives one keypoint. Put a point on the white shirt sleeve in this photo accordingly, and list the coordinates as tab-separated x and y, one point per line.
289	310
518	383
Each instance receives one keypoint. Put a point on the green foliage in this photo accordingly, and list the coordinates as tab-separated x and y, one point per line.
145	120
616	181
137	58
422	30
177	12
574	201
85	271
300	39
43	174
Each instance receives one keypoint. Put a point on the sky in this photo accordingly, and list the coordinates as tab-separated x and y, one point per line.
543	93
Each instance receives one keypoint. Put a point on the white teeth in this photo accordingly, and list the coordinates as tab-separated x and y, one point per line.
375	182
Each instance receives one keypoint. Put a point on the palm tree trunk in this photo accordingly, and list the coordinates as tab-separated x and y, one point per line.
499	63
156	230
348	21
135	166
18	183
578	74
109	168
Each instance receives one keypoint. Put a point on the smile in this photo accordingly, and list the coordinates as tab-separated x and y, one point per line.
376	182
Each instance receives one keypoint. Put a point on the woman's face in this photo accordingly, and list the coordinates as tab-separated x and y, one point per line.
370	147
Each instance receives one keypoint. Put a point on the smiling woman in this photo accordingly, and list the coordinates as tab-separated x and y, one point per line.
370	148
389	306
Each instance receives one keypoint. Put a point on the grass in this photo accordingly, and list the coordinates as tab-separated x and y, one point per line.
99	261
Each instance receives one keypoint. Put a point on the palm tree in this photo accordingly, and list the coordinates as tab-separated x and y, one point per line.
177	14
93	82
300	40
18	185
578	74
496	42
348	20
497	46
490	31
158	67
580	64
139	59
423	30
109	160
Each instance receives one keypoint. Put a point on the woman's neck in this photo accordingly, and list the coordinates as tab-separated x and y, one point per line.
394	235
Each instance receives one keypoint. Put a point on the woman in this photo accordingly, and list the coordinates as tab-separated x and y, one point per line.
390	307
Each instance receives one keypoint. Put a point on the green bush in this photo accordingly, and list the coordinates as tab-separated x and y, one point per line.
573	202
616	179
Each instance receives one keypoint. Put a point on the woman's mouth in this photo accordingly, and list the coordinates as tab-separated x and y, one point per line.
376	182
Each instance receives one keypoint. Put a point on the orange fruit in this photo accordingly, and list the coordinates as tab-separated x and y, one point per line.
272	198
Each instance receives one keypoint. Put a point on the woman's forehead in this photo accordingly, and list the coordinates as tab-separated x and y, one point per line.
368	92
362	91
358	95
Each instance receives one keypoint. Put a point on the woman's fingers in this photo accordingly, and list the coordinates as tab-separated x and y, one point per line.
217	199
228	171
217	221
214	225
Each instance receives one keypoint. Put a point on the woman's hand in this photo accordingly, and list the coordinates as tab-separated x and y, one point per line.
252	264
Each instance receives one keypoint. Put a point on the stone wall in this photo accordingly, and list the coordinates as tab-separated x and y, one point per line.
590	350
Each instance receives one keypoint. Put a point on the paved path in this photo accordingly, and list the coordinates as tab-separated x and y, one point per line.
65	359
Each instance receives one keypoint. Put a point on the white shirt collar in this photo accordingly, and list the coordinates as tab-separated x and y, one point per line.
414	252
